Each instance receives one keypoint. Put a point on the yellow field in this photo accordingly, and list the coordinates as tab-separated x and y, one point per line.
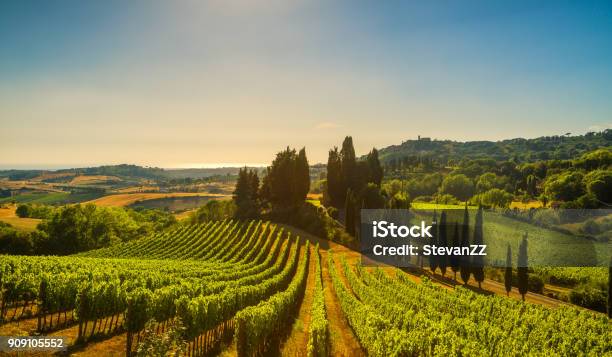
528	205
126	199
137	189
7	214
88	180
32	185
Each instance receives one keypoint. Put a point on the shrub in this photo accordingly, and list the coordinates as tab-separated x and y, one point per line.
599	184
590	296
214	210
446	199
566	186
493	198
15	242
458	185
399	201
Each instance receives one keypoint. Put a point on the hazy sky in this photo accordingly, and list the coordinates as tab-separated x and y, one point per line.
176	83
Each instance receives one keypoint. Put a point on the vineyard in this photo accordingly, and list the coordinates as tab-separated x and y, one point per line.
236	288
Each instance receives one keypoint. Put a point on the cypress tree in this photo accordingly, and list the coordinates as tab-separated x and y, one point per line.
465	242
302	177
336	190
254	188
375	169
477	260
442	242
349	164
433	259
508	271
349	207
454	260
531	185
522	268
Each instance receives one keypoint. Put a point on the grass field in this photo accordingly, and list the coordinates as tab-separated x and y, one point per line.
526	205
7	215
94	179
427	205
174	204
126	199
52	198
546	247
137	189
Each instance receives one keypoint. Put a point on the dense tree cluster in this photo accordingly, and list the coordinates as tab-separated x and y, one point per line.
353	184
28	210
583	182
426	154
287	180
13	241
284	186
75	228
246	194
281	195
214	210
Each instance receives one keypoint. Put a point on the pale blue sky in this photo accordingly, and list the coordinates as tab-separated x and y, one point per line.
175	83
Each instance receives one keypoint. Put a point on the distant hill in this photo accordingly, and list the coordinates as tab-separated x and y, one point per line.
125	171
518	150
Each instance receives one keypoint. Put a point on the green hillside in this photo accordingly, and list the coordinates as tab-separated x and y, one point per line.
518	150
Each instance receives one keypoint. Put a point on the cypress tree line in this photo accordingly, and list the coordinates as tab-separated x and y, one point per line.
288	180
465	269
477	260
344	172
442	242
454	260
353	184
286	183
522	268
508	271
433	259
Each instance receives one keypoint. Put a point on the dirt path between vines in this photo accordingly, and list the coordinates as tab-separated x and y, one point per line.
113	346
297	341
341	337
342	340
